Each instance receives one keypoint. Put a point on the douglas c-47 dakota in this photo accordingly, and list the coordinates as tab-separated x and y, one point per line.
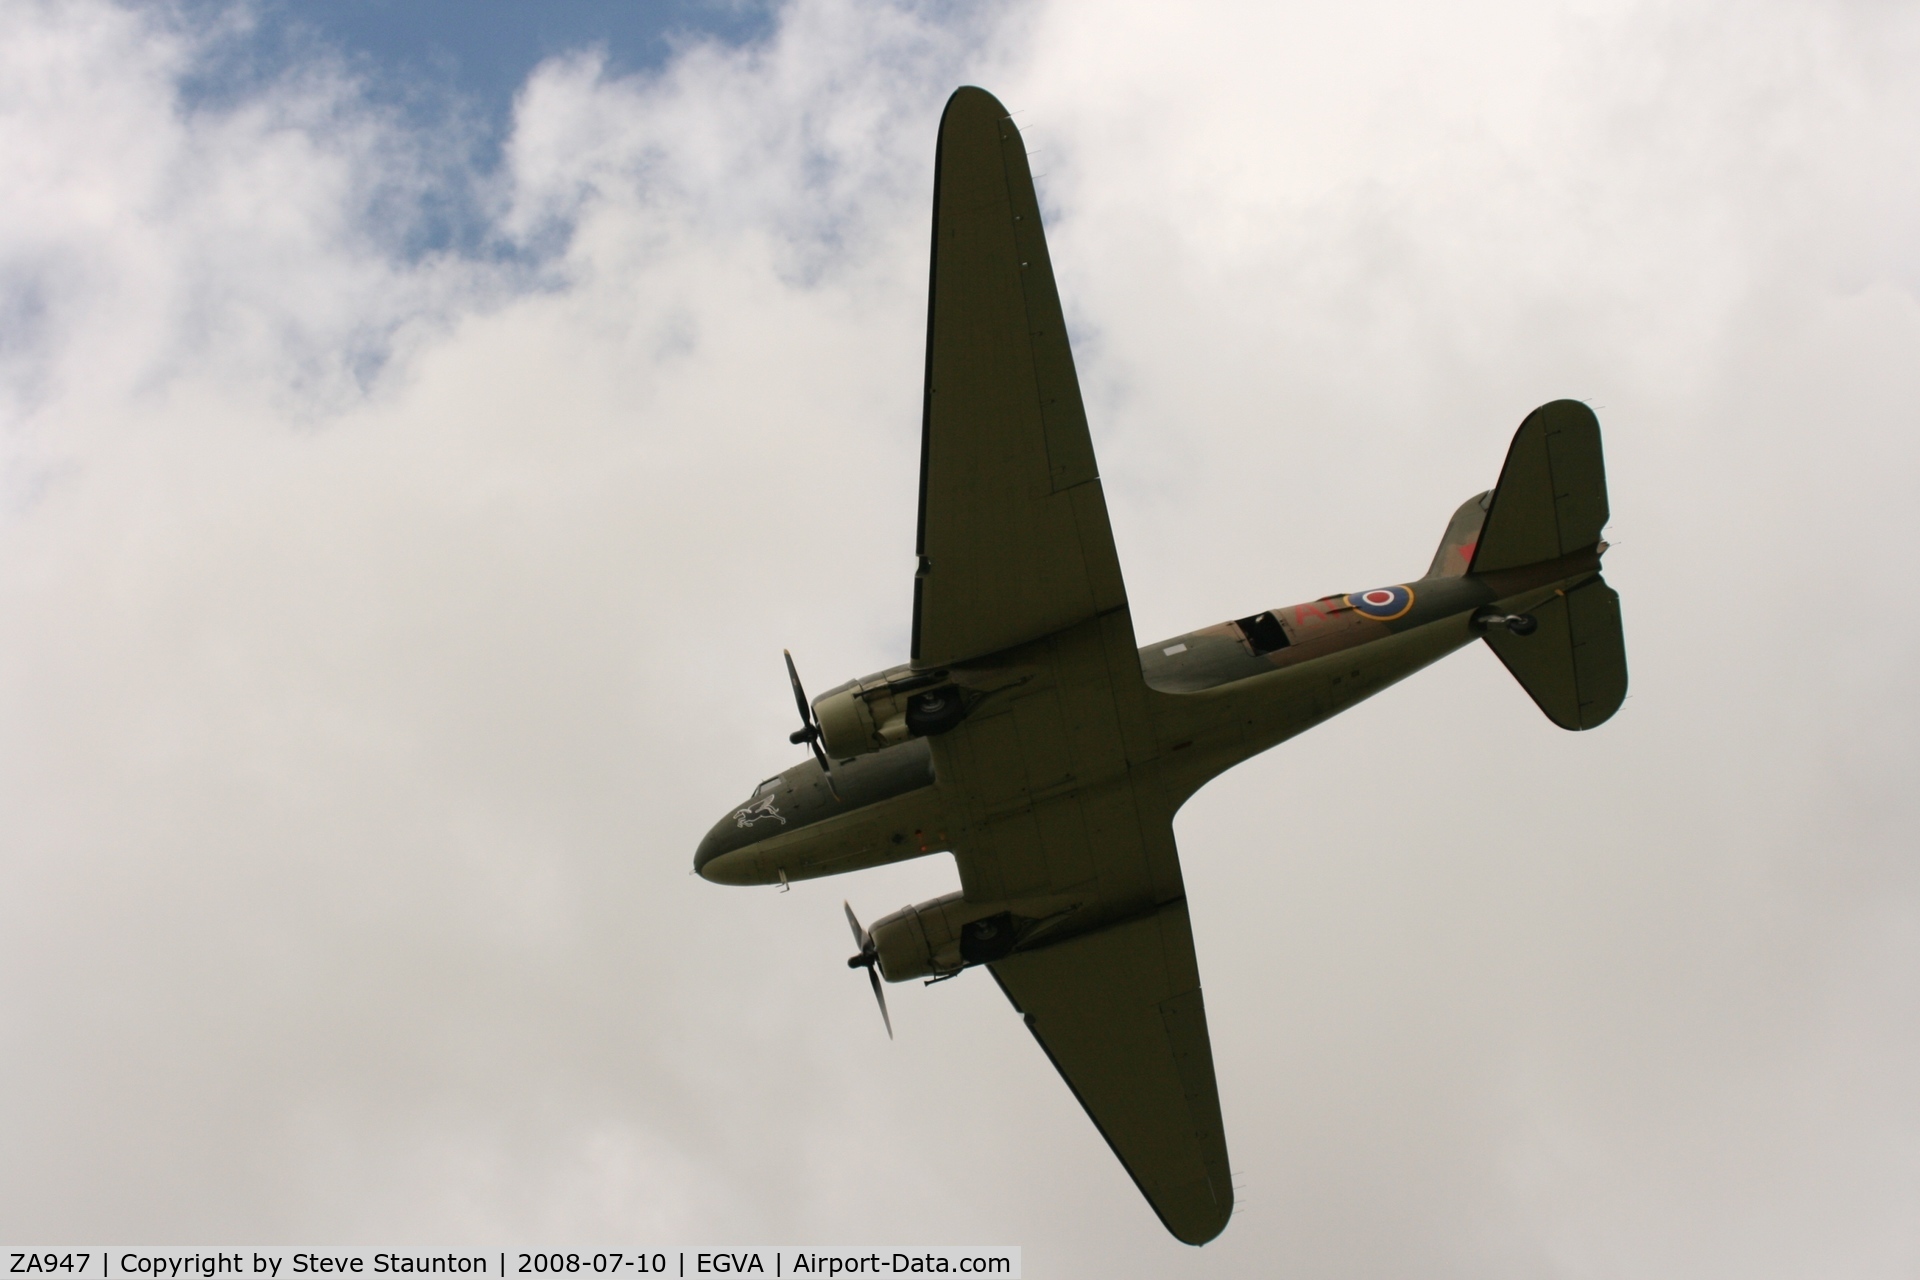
1030	735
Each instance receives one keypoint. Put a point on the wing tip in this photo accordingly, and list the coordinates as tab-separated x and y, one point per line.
1202	1228
971	99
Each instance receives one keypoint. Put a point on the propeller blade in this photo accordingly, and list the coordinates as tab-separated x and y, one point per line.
809	730
799	694
873	972
868	959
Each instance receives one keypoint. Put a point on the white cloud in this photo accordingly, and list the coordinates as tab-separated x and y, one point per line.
378	633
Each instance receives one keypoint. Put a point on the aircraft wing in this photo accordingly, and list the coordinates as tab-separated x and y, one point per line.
1046	802
1119	1013
1013	540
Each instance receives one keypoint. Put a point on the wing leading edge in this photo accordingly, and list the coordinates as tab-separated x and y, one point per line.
1120	1015
1013	541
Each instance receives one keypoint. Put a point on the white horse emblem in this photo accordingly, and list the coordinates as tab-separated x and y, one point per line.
747	815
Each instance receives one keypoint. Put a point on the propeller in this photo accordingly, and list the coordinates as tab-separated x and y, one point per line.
868	959
809	730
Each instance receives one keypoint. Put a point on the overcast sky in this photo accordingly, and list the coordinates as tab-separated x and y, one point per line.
416	455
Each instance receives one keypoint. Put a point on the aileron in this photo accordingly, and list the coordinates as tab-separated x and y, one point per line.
1120	1015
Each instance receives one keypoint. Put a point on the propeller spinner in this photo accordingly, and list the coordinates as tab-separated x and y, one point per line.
868	959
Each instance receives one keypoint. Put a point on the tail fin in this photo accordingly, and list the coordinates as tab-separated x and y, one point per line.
1462	536
1552	501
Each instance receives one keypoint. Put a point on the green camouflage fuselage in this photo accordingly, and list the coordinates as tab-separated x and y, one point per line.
1218	696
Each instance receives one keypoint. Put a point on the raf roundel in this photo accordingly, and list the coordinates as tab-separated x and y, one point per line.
1383	604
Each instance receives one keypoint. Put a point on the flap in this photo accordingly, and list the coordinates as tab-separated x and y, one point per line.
1119	1013
1013	540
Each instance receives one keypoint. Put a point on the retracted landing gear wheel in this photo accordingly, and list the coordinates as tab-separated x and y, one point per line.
935	711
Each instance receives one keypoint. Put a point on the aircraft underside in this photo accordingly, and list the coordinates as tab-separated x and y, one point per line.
1028	734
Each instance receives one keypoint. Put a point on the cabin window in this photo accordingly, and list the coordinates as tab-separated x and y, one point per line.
1263	633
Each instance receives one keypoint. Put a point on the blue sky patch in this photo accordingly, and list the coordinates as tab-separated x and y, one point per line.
449	67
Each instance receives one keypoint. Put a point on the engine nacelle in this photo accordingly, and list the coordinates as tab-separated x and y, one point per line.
885	710
944	936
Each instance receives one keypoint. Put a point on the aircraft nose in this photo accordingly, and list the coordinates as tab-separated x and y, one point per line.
712	846
725	856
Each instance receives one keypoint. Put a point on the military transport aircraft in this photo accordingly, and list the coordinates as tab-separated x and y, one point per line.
1028	734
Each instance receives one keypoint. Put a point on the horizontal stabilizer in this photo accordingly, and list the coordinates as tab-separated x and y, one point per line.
1552	497
1574	665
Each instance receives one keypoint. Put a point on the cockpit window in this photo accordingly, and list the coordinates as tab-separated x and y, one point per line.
768	787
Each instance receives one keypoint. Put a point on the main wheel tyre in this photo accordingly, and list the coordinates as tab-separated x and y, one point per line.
935	711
